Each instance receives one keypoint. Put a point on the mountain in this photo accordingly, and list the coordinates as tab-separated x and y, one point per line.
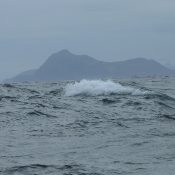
24	76
64	65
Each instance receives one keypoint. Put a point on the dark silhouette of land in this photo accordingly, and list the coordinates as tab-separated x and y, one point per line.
67	66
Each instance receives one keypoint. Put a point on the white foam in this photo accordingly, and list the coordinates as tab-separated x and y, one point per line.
99	87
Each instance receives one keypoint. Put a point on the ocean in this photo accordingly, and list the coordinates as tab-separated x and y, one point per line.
90	127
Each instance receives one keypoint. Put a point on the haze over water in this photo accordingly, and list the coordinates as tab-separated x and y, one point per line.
89	127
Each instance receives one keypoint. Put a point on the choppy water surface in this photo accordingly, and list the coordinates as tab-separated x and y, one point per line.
88	127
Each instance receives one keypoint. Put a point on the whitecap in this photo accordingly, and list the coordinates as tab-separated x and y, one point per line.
99	87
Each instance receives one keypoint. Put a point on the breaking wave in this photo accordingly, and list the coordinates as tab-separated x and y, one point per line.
99	87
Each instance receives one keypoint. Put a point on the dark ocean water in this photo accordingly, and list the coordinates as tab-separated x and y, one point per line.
124	127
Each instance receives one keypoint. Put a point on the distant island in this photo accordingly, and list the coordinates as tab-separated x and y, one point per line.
65	65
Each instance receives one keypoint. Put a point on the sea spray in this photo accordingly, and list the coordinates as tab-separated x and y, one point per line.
99	87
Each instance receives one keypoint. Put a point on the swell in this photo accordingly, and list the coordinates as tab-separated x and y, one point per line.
18	88
48	169
7	97
39	113
159	96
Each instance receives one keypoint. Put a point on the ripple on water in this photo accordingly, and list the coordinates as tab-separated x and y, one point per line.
88	127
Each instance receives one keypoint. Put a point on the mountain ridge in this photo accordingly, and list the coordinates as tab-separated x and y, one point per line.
64	65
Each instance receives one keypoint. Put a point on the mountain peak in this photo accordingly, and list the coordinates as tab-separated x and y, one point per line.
64	52
140	59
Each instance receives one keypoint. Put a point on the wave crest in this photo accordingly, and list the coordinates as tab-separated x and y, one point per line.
99	87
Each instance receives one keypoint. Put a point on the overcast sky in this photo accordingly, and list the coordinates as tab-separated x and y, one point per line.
110	30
